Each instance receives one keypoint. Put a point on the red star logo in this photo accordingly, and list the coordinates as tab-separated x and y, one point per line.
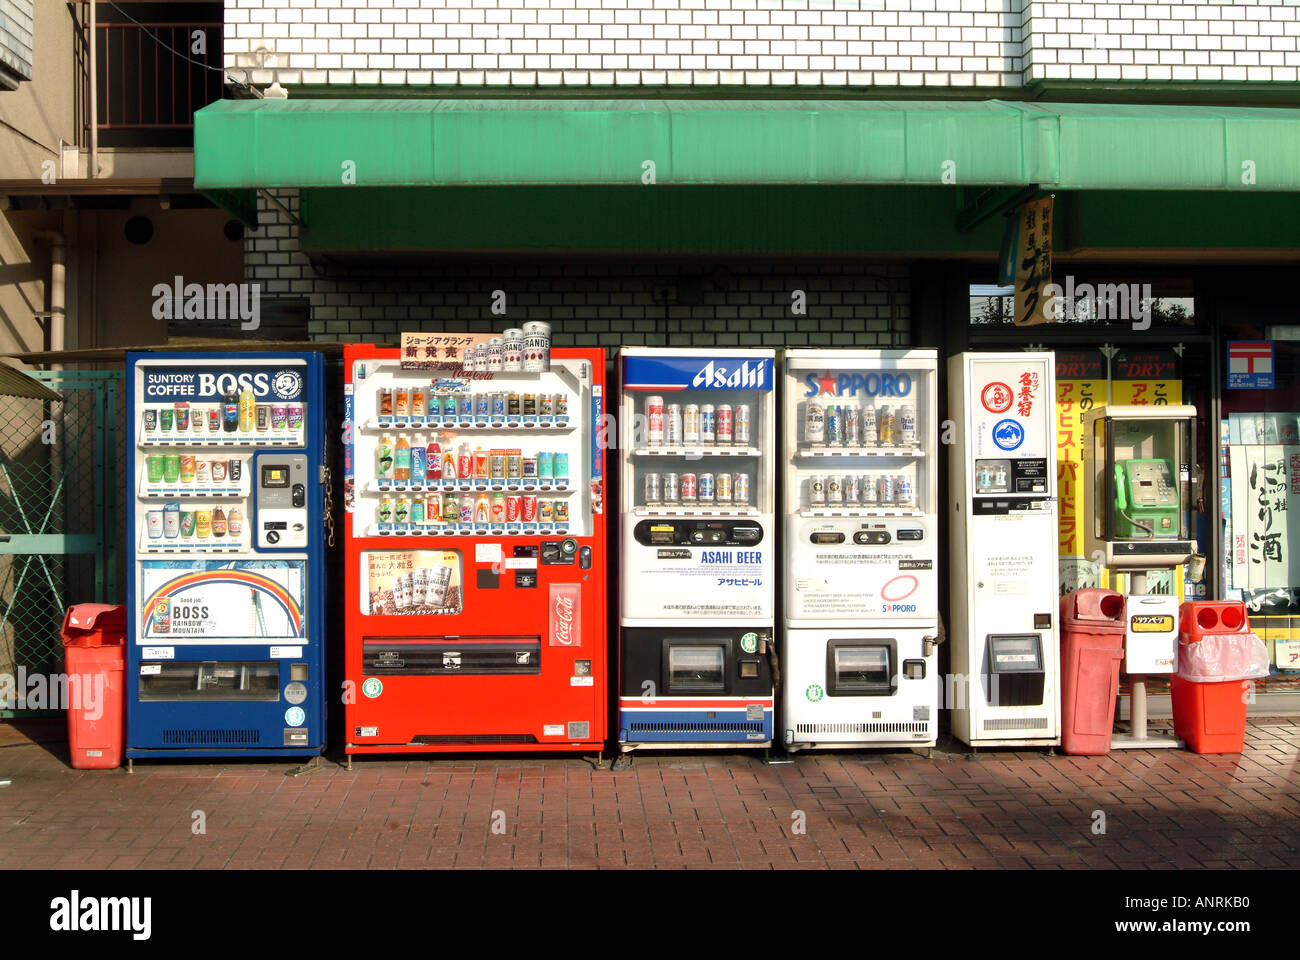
828	384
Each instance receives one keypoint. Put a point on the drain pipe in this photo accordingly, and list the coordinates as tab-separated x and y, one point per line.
93	46
58	314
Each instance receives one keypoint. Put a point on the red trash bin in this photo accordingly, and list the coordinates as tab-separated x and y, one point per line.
94	651
1092	646
1218	657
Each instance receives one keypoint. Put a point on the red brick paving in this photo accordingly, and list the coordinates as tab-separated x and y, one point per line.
1164	810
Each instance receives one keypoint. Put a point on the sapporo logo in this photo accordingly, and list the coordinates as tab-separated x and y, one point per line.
75	913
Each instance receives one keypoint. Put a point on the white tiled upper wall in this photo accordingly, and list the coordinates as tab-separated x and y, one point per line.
968	43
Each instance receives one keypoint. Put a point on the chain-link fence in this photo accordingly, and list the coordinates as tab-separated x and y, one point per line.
61	509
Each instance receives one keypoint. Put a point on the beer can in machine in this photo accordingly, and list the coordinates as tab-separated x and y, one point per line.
817	491
706	488
723	488
706	423
654	414
673	424
691	424
651	487
740	489
723	421
741	426
671	487
689	488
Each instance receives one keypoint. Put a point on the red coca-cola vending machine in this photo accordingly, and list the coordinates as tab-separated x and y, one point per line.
475	547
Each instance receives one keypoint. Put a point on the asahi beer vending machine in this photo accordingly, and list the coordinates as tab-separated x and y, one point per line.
697	542
1004	636
225	642
861	617
475	555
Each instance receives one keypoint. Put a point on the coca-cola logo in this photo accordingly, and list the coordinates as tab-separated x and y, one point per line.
564	616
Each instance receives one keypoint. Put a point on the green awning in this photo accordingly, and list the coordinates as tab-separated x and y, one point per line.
243	144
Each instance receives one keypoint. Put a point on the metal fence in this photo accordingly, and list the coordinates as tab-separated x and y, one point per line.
61	508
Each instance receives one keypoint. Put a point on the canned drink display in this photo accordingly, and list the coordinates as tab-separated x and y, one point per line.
419	402
673	423
482	406
512	404
498	508
834	436
279	416
150	419
295	416
171	467
419	460
514	466
691	424
263	417
537	346
723	423
706	423
417	512
654	415
236	468
868	425
650	486
202	473
214	420
482	508
902	490
498	406
545	511
433	508
529	469
219	471
867	490
906	428
545	466
467	502
546	405
202	524
512	350
166	416
171	520
561	404
465	405
514	507
706	488
561	511
384	457
817	491
722	491
530	404
885	428
402	511
834	491
740	429
885	489
182	416
529	505
740	489
851	490
561	467
814	423
154	466
672	487
482	463
498	465
218	522
450	508
689	488
187	523
496	354
198	420
187	468
852	426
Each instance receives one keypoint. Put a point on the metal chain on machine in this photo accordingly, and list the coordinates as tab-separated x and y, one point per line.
327	478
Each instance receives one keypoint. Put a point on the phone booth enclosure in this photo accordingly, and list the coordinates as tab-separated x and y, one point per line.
1138	484
512	654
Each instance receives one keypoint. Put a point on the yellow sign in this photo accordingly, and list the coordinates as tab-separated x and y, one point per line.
1033	262
1152	624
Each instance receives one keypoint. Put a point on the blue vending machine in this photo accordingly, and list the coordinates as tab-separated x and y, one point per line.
225	517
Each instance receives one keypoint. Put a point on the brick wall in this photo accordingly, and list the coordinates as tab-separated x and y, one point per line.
932	43
588	303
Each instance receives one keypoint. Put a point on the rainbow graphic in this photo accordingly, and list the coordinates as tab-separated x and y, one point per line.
261	586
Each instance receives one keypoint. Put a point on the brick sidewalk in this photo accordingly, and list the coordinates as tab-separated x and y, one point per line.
1164	810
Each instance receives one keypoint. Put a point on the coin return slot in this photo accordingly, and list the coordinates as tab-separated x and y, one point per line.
827	538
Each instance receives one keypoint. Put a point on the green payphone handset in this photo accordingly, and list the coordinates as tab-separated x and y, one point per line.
1146	499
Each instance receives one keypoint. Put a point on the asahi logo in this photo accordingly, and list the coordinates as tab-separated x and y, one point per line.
747	376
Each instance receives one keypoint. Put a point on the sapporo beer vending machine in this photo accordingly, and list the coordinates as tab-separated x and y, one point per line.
1005	638
225	518
475	555
697	542
861	617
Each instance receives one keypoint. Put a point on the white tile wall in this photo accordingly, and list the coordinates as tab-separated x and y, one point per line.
556	43
586	302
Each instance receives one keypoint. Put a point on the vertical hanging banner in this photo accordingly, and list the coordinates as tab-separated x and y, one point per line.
1266	501
1033	262
1080	386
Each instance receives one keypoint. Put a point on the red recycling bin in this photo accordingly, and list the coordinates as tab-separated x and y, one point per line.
1217	657
94	652
1092	646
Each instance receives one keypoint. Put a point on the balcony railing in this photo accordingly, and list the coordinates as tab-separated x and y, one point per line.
151	80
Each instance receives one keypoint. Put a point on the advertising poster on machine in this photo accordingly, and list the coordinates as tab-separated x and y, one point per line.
411	582
1081	384
1266	505
214	601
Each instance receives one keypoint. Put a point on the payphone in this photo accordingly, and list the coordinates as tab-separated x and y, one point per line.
1138	479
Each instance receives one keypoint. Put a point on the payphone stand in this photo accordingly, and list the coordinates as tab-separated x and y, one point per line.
1137	485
